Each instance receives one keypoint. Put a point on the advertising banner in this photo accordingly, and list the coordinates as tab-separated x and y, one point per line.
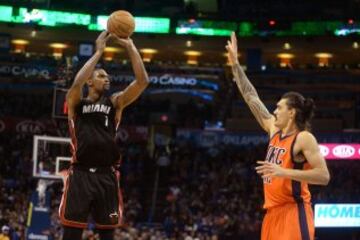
337	151
27	71
337	215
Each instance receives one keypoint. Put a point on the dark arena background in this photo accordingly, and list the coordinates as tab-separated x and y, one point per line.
189	144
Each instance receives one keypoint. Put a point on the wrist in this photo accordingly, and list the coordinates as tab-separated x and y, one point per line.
130	46
99	51
233	64
285	173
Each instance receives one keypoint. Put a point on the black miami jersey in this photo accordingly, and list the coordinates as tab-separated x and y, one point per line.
93	131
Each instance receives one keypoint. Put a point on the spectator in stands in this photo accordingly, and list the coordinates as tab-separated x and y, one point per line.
5	233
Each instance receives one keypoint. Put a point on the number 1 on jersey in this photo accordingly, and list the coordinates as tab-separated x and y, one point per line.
106	121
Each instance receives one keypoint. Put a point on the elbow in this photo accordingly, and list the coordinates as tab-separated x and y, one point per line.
142	82
325	179
146	81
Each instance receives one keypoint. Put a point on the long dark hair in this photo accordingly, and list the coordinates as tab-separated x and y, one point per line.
304	109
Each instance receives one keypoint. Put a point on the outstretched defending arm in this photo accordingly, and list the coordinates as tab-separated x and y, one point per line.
73	96
247	90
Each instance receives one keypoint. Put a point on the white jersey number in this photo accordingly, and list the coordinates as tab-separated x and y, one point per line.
106	121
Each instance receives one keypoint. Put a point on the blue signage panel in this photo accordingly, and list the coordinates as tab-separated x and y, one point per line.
337	215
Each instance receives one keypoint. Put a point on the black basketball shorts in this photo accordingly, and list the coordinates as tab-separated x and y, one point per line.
91	192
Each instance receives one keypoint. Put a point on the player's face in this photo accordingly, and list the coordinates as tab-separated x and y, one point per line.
101	80
282	114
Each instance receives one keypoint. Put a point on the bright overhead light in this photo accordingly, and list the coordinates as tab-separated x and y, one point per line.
323	55
355	45
148	50
192	53
287	46
112	49
226	54
58	45
286	55
20	41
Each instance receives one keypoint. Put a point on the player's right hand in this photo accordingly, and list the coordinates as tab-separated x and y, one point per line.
232	49
101	41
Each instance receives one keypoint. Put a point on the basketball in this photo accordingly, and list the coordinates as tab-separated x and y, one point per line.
121	23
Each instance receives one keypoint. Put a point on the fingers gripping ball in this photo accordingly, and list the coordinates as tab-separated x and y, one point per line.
121	23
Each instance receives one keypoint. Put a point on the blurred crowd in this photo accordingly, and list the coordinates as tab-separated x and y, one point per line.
200	193
203	193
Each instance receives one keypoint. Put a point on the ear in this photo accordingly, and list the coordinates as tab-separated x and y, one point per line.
90	82
293	113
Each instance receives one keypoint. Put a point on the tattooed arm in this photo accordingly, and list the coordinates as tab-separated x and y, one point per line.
247	90
251	97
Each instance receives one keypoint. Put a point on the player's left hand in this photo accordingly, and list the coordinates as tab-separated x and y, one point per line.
101	41
266	169
124	42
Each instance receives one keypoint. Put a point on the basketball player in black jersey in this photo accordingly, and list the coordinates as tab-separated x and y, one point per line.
92	184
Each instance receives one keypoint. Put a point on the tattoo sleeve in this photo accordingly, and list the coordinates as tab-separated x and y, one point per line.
250	95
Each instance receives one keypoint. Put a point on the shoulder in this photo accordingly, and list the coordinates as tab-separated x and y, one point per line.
81	102
305	140
117	99
305	136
